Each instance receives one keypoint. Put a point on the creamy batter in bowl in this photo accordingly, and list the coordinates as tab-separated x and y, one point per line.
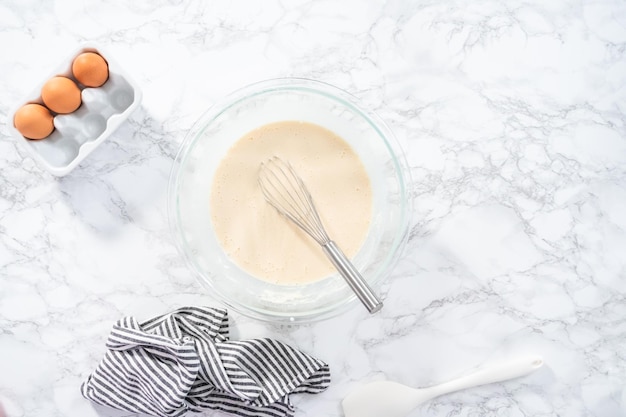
211	138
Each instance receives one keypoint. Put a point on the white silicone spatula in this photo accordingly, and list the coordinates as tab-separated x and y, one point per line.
391	399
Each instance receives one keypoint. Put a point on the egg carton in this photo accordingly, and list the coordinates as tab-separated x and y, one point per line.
77	134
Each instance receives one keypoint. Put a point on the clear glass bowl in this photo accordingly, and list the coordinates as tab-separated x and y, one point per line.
209	140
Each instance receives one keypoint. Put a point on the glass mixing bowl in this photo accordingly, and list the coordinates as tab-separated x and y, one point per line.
208	141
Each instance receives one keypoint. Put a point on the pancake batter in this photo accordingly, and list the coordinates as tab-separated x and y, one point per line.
251	231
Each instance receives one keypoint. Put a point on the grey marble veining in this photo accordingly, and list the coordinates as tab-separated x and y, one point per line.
513	119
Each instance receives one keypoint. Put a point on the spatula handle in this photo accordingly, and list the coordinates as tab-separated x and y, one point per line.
490	373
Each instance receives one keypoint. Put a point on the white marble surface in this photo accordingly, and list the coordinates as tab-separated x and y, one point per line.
513	118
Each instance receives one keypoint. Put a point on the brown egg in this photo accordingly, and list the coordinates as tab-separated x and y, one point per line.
61	95
33	121
90	69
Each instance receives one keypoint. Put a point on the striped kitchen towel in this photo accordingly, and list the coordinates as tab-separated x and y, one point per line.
183	361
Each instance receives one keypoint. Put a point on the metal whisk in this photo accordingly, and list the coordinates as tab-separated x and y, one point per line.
285	190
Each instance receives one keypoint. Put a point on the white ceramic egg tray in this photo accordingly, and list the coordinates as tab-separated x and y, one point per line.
77	134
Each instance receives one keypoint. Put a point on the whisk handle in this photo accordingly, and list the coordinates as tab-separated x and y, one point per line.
352	277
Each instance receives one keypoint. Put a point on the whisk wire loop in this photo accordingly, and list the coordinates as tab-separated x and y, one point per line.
286	192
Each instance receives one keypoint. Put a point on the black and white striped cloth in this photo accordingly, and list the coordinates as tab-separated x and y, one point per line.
183	361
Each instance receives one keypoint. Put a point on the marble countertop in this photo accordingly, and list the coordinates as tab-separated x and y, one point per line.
512	116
